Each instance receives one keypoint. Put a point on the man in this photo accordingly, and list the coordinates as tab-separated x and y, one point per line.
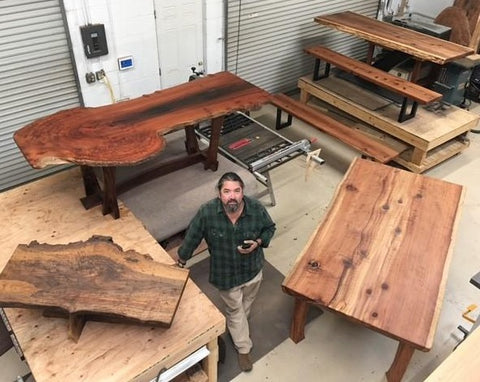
236	229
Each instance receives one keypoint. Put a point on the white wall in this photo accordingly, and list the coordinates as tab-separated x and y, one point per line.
429	7
130	31
214	36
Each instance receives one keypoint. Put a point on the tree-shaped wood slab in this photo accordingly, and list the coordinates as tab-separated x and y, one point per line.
130	132
92	280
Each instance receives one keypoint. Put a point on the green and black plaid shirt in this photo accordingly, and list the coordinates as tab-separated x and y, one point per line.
228	267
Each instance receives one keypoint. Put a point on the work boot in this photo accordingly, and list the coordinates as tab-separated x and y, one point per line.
245	362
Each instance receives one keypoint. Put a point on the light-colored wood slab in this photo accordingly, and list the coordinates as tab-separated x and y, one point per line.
444	129
463	365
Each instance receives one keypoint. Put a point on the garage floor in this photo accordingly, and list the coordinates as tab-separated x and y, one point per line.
335	349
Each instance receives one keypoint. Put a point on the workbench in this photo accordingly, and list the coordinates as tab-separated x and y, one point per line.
380	257
49	211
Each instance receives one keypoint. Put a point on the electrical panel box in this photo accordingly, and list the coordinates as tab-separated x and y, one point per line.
94	40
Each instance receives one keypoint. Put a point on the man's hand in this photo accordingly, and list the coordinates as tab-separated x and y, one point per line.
248	246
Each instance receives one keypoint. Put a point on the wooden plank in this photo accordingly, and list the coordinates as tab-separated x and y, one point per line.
429	129
48	210
95	279
323	122
374	75
462	365
433	157
375	258
419	45
111	135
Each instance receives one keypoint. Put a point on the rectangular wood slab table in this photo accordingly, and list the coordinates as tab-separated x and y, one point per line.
131	132
380	257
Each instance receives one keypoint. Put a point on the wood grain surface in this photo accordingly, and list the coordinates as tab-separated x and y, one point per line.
374	75
48	211
131	132
95	278
381	255
419	45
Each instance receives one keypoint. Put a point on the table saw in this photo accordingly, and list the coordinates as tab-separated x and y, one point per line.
255	146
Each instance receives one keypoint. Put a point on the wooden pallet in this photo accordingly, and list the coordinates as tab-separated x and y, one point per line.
432	136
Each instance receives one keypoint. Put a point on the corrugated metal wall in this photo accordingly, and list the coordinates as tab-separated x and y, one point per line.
36	77
265	38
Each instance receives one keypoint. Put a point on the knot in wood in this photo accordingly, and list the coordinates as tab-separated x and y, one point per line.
347	263
351	187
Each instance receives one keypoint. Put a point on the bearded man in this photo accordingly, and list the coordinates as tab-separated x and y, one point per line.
236	228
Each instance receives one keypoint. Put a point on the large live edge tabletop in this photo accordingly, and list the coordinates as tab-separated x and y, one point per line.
419	45
380	257
48	211
131	132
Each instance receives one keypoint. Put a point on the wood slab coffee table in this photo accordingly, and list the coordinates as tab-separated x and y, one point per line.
380	257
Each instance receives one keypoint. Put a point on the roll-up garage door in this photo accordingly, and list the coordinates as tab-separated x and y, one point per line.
37	77
265	39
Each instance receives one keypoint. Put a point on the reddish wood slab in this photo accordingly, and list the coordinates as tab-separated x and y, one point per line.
130	132
419	45
380	257
95	280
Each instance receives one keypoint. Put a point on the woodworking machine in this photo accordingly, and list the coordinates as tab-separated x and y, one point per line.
256	147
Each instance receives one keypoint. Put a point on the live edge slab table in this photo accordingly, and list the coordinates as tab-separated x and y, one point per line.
131	132
420	46
380	257
46	211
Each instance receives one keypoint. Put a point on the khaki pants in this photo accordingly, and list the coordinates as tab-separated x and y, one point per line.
238	301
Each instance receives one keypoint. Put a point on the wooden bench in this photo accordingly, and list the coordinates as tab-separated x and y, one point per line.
409	90
369	147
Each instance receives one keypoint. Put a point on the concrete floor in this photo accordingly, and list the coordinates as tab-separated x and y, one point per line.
335	349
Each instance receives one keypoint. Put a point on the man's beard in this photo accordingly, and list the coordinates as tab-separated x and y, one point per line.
232	206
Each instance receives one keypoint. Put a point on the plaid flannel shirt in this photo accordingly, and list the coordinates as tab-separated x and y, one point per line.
228	267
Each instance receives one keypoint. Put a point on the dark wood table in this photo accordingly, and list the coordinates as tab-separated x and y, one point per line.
380	257
131	132
420	46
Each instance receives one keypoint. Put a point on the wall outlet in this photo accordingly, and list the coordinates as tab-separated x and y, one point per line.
100	74
90	77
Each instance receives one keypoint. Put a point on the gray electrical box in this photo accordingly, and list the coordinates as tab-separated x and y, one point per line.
94	40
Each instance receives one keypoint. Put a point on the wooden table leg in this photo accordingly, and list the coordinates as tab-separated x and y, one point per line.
211	162
110	203
210	363
191	142
417	67
400	362
93	192
299	319
371	50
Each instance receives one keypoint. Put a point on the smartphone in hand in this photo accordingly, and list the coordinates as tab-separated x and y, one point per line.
246	245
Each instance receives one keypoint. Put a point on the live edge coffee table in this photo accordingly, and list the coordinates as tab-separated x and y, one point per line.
380	257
